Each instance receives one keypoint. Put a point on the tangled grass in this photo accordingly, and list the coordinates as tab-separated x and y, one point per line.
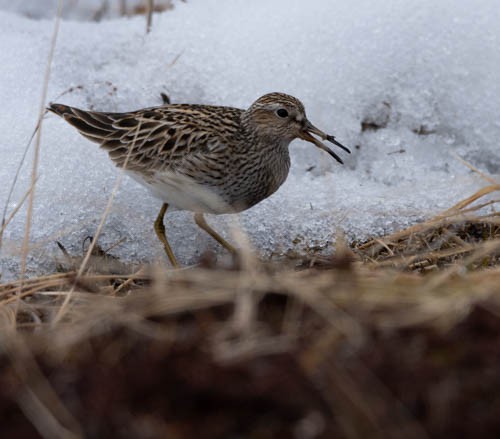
395	337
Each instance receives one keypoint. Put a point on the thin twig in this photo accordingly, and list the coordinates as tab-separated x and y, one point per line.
86	259
34	170
489	179
149	14
13	185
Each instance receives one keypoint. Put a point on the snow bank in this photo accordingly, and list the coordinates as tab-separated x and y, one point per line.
426	74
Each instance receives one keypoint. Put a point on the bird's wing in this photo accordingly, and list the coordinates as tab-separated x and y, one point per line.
156	138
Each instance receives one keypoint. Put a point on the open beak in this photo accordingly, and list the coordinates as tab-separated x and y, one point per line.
310	129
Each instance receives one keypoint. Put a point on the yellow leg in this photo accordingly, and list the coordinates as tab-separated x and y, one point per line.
199	219
160	232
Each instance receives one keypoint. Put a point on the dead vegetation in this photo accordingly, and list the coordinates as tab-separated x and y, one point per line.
444	240
396	337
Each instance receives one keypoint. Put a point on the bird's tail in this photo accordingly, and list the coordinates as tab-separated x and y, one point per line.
59	109
93	125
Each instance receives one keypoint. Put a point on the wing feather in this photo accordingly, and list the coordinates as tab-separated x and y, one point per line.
156	138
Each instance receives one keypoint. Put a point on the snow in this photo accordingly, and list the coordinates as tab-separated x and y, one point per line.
427	72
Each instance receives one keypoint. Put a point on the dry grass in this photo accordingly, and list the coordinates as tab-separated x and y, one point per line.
457	237
356	341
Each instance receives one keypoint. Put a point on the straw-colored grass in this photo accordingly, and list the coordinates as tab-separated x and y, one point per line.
445	239
354	336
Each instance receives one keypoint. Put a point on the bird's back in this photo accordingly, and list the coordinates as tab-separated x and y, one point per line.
156	138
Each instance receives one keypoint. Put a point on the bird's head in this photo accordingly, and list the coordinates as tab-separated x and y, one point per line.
278	116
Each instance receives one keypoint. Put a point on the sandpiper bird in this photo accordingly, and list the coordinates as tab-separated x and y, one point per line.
203	158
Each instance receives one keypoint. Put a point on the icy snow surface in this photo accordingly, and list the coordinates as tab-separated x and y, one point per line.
428	72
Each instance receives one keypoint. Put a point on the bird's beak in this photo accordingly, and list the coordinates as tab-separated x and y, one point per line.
310	129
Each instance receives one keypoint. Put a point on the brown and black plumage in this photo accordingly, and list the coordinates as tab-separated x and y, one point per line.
202	158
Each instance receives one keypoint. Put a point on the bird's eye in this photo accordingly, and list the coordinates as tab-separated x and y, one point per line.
282	112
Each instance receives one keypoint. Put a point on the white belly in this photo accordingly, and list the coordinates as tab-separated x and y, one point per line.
183	193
